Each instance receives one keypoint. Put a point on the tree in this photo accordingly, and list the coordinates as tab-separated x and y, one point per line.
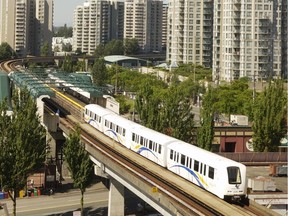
114	47
206	131
79	163
45	49
131	46
22	143
270	117
64	31
99	72
6	51
99	51
67	64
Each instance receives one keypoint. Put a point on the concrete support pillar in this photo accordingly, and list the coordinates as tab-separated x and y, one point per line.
116	199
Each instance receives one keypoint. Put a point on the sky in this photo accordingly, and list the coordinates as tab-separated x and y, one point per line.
63	11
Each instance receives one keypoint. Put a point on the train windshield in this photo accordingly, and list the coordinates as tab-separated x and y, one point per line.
234	175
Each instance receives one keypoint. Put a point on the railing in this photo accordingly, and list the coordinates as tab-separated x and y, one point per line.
258	158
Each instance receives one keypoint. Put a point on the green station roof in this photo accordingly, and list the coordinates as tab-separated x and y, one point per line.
35	86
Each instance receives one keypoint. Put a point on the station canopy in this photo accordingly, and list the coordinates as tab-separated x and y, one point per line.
39	81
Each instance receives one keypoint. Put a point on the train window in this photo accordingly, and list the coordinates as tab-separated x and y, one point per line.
117	129
86	111
177	157
106	123
234	175
171	154
196	165
201	167
94	116
204	169
159	149
141	140
99	119
150	145
211	173
133	136
124	131
183	157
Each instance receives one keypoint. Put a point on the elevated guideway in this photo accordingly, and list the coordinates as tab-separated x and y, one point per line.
167	193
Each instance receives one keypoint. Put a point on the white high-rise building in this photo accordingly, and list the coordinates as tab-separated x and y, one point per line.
247	39
143	21
26	24
189	35
97	22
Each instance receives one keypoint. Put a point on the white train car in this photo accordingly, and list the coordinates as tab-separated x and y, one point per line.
119	129
94	114
221	176
150	144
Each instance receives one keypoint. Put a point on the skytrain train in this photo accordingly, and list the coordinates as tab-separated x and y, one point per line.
220	176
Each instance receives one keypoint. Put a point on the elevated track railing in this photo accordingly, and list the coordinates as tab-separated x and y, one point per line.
257	158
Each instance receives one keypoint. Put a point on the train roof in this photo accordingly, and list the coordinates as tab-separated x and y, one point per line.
121	121
197	153
150	134
98	109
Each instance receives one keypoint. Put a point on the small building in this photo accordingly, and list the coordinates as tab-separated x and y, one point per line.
125	61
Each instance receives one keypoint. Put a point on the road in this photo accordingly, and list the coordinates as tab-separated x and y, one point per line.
95	203
64	204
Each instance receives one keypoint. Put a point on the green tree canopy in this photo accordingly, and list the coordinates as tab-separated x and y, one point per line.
79	163
22	143
114	47
270	117
131	46
45	49
63	31
67	64
6	51
99	72
206	130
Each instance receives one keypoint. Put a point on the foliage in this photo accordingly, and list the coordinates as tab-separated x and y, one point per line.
270	117
133	81
45	49
99	51
176	116
196	72
6	51
124	105
67	64
167	110
206	130
131	46
234	98
99	72
79	163
22	143
114	47
63	31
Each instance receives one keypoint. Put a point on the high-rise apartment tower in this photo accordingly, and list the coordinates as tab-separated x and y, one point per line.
97	22
143	21
189	35
247	40
26	24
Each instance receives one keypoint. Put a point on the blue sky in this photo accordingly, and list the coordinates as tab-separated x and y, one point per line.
63	11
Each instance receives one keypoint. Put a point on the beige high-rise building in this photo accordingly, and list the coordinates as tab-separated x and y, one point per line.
26	24
247	39
143	21
97	22
189	35
164	26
